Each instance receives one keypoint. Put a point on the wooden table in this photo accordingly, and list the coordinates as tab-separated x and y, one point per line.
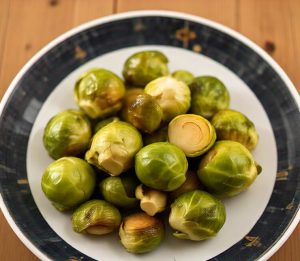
28	25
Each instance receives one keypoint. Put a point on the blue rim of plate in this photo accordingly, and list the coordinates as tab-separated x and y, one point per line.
45	70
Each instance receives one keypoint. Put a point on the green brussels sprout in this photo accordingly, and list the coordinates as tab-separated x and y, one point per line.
191	133
227	169
233	125
143	67
196	215
191	183
67	182
113	147
140	233
173	96
157	136
105	122
184	76
209	95
120	191
99	93
161	166
96	217
151	201
68	133
144	113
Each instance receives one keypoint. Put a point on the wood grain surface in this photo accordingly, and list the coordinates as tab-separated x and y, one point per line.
27	25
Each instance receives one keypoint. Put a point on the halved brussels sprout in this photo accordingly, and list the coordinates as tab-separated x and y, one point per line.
196	215
184	76
233	125
151	201
113	147
209	95
228	169
161	166
96	217
99	93
105	122
67	182
160	135
191	183
120	191
173	96
145	66
68	133
191	133
143	112
140	233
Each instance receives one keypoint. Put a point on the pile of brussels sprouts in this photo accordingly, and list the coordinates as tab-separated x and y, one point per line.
152	148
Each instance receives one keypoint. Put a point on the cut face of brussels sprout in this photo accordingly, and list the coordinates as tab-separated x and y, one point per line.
113	147
233	125
96	217
143	67
161	166
209	95
160	135
196	215
99	93
67	134
184	76
120	191
191	133
173	96
105	122
68	182
227	169
152	201
140	233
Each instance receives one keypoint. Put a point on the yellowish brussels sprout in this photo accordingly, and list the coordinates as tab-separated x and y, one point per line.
209	95
191	133
161	166
228	169
99	93
145	66
105	122
141	233
151	201
67	182
196	215
184	76
233	125
68	133
120	191
96	217
173	96
113	147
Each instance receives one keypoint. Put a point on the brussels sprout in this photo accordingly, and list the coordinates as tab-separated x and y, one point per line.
157	136
143	67
67	182
113	147
227	169
152	201
196	215
105	122
184	76
99	93
209	95
140	233
191	133
68	133
191	183
233	125
173	96
161	166
96	217
144	113
120	191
